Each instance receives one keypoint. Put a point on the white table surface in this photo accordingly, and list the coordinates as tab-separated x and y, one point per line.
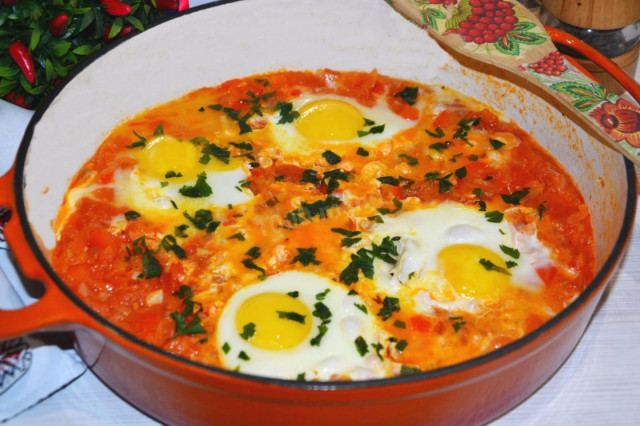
599	383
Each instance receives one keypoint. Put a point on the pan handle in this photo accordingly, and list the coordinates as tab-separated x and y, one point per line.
54	311
566	39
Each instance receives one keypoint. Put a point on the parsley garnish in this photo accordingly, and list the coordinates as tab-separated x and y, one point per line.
515	197
389	306
496	144
323	294
541	209
203	220
396	203
362	152
179	230
254	252
131	215
159	131
440	146
410	160
438	133
332	178
331	157
287	114
294	294
389	180
409	94
490	266
494	216
310	210
361	346
361	307
243	356
292	316
234	115
193	326
401	345
306	256
309	176
248	331
362	260
349	239
199	190
245	146
226	348
461	173
509	251
249	264
457	323
406	370
150	266
464	126
237	236
322	312
139	143
399	324
370	130
169	244
171	174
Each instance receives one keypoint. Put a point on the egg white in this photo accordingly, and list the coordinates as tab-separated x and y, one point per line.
335	356
425	232
291	140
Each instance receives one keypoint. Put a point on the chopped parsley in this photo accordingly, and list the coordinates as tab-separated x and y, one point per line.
248	331
185	326
249	264
464	126
287	114
362	260
444	184
401	345
306	256
254	252
541	209
350	237
234	115
171	174
361	346
203	219
494	216
371	130
398	207
399	324
362	152
323	294
440	146
409	94
237	236
458	322
389	306
150	266
389	180
490	266
309	176
131	215
437	133
361	307
159	131
199	190
406	370
515	197
331	157
310	210
243	356
170	244
410	160
226	348
509	251
461	173
292	316
322	312
138	143
496	144
294	294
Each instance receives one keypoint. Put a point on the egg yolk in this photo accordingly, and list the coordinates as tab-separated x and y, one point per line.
165	154
279	320
468	268
329	119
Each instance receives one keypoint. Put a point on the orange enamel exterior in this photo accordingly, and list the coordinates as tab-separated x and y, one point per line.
177	391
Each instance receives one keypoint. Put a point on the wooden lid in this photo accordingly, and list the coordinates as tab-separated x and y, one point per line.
595	14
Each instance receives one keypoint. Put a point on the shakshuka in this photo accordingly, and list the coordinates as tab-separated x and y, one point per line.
324	225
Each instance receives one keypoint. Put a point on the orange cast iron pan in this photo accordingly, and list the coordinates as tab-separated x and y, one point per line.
177	391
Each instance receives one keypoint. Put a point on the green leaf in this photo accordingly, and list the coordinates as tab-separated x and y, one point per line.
8	71
135	23
60	48
35	38
116	27
430	17
48	70
83	50
87	20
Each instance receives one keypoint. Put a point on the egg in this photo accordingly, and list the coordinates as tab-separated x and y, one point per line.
166	168
450	256
299	325
334	119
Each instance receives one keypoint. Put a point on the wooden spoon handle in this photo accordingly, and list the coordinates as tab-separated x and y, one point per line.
506	35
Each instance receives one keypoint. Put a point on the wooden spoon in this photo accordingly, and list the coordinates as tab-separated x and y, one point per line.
506	35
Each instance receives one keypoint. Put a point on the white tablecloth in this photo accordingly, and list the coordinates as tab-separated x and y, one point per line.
599	383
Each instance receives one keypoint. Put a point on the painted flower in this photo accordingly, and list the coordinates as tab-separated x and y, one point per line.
621	121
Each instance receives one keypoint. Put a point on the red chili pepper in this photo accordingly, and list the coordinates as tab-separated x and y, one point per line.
58	25
16	99
116	7
20	54
9	2
125	30
178	5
